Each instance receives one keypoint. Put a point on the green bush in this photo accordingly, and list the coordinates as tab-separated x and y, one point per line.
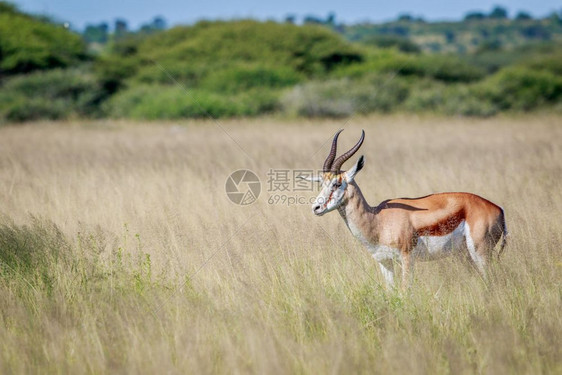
345	97
512	88
492	61
54	94
113	71
380	93
170	73
426	96
446	68
27	44
19	108
457	100
319	99
465	100
542	55
241	78
551	63
153	102
401	43
521	88
375	61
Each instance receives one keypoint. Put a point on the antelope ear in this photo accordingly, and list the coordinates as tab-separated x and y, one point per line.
310	178
350	175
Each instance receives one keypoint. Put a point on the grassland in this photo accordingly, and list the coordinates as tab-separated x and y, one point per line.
120	251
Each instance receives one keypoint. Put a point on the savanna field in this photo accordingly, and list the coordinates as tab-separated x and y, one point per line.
120	251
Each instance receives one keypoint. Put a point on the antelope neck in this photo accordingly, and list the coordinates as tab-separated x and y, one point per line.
357	213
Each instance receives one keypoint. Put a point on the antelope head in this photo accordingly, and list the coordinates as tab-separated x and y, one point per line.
334	180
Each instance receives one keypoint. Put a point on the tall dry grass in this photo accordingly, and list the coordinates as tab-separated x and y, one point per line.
120	251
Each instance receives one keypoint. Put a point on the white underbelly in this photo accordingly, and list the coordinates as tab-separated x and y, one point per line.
435	247
427	248
378	251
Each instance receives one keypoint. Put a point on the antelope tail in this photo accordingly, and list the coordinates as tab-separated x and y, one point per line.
504	234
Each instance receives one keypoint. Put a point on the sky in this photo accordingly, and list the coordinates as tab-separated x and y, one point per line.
81	12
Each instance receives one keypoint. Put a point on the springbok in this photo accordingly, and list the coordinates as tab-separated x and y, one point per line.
408	229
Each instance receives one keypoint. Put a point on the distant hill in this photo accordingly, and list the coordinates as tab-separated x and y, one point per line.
251	59
484	65
467	36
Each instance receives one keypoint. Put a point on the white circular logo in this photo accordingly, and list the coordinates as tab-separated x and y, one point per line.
243	187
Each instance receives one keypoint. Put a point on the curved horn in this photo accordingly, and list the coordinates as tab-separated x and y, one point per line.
332	155
343	158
